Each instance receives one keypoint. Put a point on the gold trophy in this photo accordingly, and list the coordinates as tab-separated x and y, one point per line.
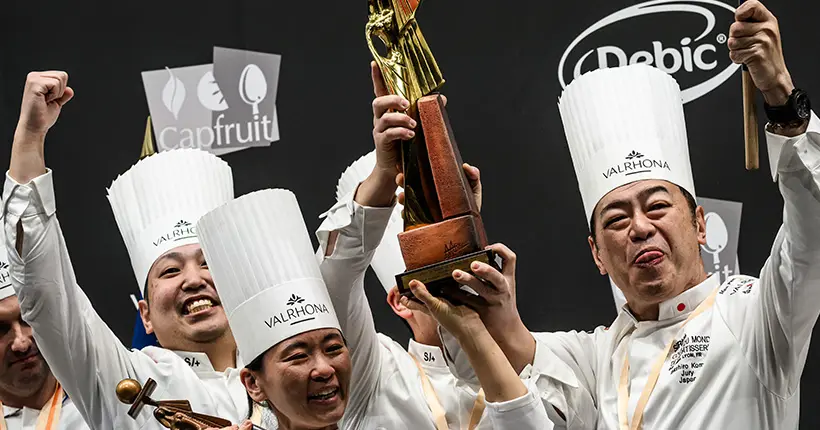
443	230
172	414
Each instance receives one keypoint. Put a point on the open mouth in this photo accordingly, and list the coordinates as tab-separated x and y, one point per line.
196	305
325	395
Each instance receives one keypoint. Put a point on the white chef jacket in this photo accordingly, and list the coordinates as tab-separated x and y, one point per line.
735	366
83	353
386	390
26	418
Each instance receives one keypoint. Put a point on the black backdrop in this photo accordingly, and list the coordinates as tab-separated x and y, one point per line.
500	60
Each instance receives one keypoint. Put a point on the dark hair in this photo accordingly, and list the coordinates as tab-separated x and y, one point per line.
690	201
256	364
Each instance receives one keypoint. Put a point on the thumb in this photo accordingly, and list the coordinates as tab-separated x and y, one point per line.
67	95
420	291
752	11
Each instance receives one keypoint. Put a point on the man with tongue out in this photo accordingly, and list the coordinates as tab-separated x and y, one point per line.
156	204
686	351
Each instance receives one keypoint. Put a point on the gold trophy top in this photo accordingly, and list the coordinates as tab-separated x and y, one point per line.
408	67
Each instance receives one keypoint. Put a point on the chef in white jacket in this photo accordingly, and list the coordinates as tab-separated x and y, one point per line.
450	400
686	351
286	328
30	395
386	392
156	204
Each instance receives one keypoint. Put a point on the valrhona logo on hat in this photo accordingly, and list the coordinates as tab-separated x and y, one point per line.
297	314
182	230
635	163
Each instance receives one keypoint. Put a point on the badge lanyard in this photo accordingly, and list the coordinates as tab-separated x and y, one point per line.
435	405
49	415
657	367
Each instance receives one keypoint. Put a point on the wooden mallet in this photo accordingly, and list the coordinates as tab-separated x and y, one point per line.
750	124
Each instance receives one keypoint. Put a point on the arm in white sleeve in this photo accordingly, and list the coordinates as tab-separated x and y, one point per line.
359	231
563	372
524	413
82	352
775	326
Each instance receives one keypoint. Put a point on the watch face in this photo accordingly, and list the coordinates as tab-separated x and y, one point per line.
802	106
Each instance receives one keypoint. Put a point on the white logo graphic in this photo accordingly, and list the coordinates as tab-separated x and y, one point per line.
252	87
698	54
173	94
209	93
230	105
717	236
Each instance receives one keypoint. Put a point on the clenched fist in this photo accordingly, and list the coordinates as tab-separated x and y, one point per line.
754	40
43	98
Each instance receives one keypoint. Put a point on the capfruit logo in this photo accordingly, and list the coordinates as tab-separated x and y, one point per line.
698	58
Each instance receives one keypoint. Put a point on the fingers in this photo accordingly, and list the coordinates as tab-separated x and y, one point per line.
489	274
470	300
246	425
379	87
747	29
753	10
472	172
415	305
478	285
51	84
386	103
507	256
443	99
736	43
743	56
394	119
474	178
67	95
392	135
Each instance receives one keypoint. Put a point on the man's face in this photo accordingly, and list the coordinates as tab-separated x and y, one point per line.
305	378
647	240
23	371
183	307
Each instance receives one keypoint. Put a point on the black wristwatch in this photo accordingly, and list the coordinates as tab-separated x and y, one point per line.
796	110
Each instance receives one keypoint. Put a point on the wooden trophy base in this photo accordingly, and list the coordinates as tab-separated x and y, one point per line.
438	277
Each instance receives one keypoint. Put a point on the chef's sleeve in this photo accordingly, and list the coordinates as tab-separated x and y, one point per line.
524	413
773	318
82	352
562	375
359	231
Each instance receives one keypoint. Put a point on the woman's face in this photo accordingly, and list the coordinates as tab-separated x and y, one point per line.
305	379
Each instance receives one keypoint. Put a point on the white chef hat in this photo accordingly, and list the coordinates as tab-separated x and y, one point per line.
6	289
387	260
158	201
260	257
625	124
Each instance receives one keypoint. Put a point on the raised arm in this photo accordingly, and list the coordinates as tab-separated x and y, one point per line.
510	403
560	365
773	319
348	238
84	355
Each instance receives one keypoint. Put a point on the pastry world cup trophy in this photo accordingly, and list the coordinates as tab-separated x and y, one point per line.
172	414
443	230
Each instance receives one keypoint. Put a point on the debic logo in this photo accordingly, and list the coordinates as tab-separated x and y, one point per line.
650	33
